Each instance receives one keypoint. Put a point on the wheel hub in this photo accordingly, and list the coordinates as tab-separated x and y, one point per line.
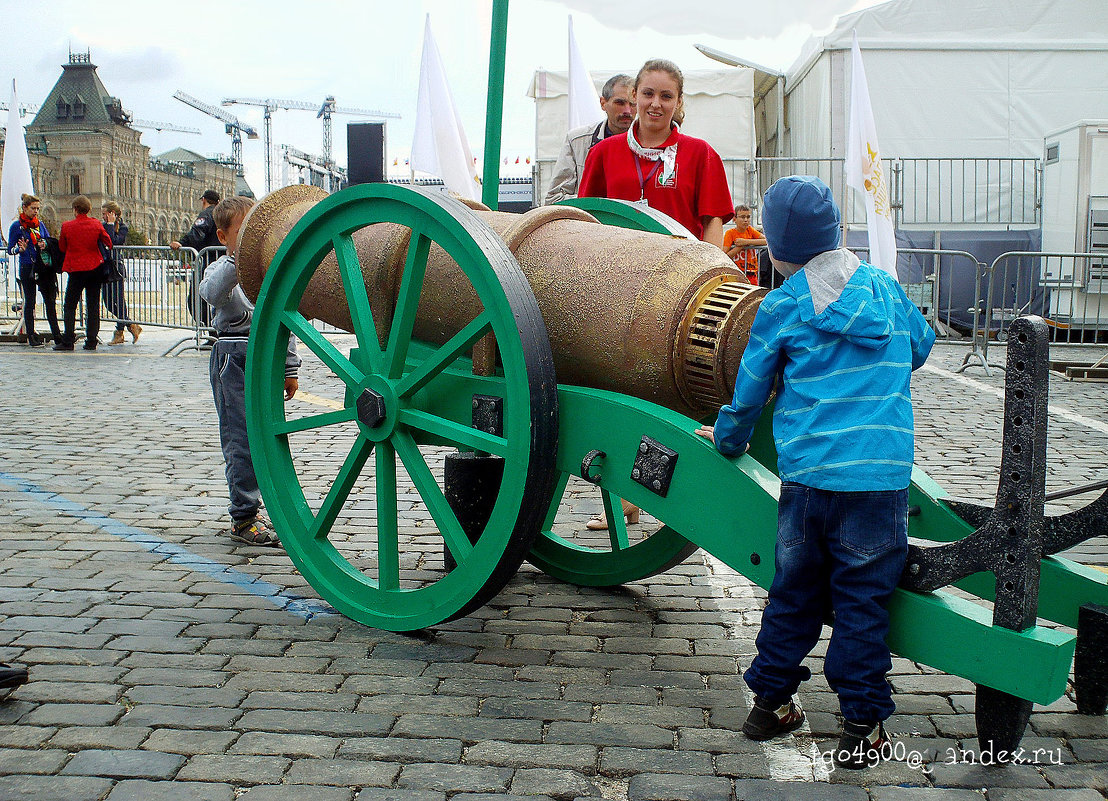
371	408
377	407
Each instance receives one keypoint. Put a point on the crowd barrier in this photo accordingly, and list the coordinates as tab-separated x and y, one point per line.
160	290
1068	290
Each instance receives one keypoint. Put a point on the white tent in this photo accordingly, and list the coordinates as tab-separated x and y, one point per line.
962	90
954	78
719	108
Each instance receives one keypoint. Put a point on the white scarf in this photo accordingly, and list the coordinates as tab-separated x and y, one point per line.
667	155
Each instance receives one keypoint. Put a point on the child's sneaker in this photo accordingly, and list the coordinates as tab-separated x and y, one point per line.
764	722
862	745
254	532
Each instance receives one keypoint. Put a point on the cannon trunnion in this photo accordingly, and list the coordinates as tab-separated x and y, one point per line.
548	345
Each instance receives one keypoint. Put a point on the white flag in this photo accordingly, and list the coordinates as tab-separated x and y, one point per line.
584	102
17	167
439	146
864	170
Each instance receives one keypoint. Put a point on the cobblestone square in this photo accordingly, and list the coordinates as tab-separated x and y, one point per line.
167	662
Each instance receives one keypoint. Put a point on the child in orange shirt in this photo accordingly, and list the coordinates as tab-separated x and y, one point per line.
741	243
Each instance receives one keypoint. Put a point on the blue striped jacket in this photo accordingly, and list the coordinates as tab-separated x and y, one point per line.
839	339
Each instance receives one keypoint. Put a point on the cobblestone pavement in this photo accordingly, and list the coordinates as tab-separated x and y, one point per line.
167	663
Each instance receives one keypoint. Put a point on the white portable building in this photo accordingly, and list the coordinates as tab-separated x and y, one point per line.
719	108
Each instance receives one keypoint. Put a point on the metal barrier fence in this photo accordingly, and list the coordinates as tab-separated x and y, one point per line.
1069	290
160	290
922	191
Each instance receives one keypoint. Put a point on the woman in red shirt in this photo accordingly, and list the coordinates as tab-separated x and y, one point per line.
657	165
80	241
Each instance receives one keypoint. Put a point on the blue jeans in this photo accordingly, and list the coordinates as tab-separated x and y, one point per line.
840	552
227	369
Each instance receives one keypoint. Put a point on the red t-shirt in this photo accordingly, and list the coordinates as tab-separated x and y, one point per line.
698	187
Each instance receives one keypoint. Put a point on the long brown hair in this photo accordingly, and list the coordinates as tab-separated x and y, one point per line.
671	69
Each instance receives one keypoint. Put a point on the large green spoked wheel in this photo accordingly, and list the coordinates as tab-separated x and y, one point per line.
391	398
617	561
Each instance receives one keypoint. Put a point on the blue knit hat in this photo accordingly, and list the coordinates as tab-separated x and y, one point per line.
800	219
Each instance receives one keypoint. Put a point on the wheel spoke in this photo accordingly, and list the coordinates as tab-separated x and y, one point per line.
429	490
617	526
316	421
556	501
365	328
321	347
340	489
444	356
407	303
388	533
455	433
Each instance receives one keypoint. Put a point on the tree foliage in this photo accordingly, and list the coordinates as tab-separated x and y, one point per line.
136	236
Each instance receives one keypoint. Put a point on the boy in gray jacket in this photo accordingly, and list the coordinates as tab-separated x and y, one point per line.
231	316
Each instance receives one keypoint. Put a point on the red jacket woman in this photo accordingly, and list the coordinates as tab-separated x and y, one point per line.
80	242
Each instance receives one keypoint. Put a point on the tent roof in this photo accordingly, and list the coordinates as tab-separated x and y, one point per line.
1039	25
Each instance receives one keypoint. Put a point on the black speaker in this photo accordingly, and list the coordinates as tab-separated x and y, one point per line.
365	152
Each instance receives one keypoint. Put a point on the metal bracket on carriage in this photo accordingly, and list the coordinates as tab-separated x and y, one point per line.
1008	542
1008	539
930	568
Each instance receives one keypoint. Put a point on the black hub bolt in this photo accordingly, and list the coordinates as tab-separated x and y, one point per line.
371	408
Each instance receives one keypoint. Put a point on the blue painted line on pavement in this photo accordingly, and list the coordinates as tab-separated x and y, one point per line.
304	607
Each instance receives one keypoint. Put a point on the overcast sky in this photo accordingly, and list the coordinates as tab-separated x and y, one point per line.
366	53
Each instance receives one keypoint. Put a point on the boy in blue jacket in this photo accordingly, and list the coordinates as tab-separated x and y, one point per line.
838	340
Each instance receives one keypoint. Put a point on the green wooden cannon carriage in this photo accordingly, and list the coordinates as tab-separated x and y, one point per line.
454	349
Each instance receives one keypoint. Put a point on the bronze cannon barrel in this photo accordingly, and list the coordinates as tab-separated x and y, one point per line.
658	317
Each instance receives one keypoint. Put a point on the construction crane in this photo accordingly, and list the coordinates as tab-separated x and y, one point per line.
269	105
231	123
330	176
24	108
163	126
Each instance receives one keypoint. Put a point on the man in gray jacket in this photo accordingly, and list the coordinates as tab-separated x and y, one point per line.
615	99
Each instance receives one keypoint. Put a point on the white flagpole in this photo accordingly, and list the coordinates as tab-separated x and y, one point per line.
584	103
439	146
17	178
864	170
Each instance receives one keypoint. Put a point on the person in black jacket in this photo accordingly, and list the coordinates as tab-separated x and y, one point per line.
201	235
114	300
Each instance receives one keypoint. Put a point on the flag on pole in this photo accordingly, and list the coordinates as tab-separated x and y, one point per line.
439	146
584	102
17	166
864	171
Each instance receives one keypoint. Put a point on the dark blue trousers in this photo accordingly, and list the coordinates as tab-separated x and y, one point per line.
840	552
